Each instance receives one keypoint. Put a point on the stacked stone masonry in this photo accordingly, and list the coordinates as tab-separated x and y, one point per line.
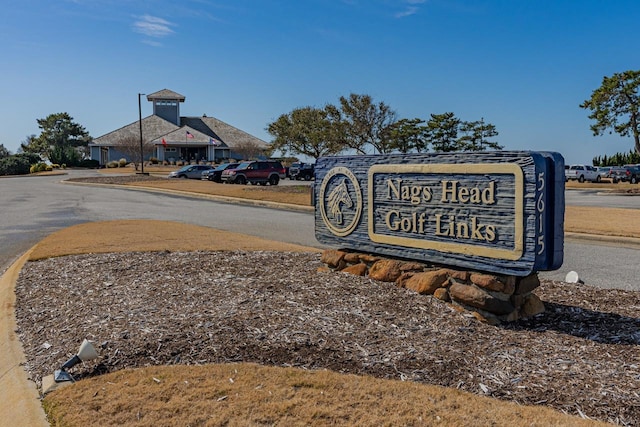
491	298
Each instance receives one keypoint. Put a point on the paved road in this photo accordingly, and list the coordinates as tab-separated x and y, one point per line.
603	264
33	207
591	197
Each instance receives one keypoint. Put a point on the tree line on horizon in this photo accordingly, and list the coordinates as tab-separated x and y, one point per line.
362	126
618	159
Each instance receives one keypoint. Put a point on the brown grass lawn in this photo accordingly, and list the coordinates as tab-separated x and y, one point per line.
251	395
603	221
295	195
616	222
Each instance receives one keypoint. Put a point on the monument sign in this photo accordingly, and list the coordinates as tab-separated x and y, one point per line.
501	211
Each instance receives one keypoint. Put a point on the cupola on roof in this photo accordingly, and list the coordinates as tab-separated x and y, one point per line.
166	104
165	94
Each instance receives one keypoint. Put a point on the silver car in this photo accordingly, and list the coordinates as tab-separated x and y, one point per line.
190	171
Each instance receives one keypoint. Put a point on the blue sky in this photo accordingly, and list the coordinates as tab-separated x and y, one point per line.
524	66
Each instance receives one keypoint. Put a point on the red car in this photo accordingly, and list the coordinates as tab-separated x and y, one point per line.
256	172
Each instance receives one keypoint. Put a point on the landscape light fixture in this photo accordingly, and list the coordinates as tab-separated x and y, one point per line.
572	277
86	352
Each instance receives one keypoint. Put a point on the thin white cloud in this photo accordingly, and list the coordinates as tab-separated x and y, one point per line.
152	43
411	9
153	26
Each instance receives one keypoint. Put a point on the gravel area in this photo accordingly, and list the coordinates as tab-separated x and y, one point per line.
275	308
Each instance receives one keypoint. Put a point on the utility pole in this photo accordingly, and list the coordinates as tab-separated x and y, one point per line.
141	145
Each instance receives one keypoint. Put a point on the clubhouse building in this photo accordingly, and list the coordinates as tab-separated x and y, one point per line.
169	137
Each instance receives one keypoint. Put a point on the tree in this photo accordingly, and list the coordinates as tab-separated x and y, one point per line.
130	146
443	132
307	131
4	152
59	140
29	145
248	150
615	106
366	123
18	164
476	136
407	135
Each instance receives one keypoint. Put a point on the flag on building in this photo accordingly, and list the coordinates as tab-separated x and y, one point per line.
189	135
164	142
214	141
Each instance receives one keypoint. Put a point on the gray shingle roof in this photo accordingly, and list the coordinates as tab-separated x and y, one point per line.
229	135
179	137
152	127
166	94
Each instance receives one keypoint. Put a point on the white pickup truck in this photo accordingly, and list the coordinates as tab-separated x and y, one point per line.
582	173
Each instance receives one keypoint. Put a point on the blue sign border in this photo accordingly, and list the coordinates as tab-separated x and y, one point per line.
539	192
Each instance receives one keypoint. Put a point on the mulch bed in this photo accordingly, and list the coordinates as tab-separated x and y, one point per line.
130	179
582	356
117	179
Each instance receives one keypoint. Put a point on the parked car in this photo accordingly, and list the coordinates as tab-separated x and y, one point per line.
255	172
190	171
582	173
617	174
603	171
301	170
215	174
631	173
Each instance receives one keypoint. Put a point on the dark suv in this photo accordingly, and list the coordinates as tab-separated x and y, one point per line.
616	174
216	174
256	172
301	171
631	173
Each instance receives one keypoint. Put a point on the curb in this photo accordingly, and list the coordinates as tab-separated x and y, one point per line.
617	240
18	394
216	198
609	193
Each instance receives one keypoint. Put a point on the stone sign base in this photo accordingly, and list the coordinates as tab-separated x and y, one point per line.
491	298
